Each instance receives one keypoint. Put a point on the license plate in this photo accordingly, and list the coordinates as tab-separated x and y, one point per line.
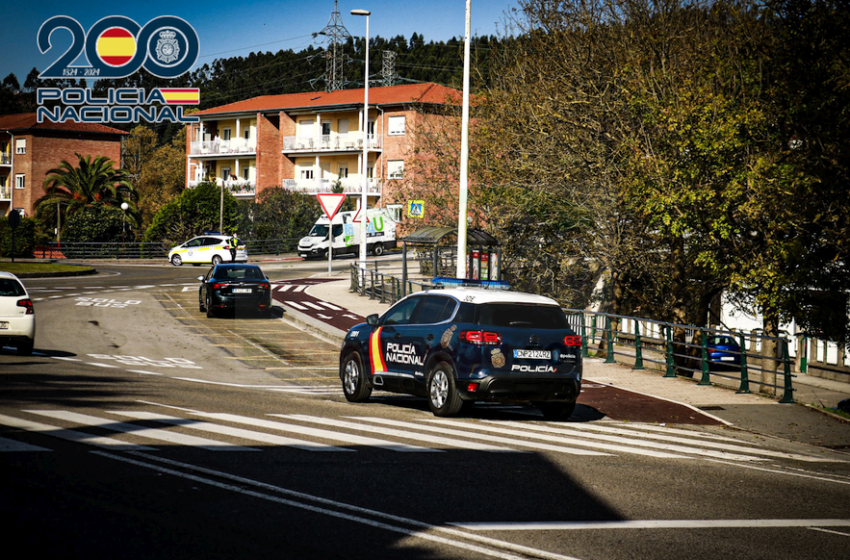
241	290
533	354
727	358
4	325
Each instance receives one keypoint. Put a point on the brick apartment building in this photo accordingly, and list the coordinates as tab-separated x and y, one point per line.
28	149
308	142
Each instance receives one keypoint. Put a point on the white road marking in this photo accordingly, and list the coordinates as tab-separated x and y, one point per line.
573	428
229	431
395	433
143	372
349	439
295	305
150	433
425	530
331	306
313	305
70	435
654	524
14	446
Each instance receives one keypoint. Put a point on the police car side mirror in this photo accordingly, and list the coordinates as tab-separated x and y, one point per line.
200	278
372	320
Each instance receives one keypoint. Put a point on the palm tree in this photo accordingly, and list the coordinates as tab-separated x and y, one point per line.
92	181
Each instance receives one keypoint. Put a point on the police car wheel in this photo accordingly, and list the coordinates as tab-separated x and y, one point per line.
354	379
176	260
556	410
216	260
443	397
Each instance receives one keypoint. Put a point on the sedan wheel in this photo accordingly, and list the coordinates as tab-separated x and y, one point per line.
443	398
210	312
176	260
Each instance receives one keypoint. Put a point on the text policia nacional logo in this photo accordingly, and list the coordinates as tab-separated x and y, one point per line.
116	47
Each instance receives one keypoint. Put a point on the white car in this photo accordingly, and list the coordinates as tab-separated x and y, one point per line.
17	316
207	249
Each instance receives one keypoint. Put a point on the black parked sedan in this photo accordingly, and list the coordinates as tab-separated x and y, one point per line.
232	286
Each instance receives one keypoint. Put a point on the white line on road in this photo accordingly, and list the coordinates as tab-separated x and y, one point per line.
653	524
395	433
264	492
229	431
151	433
70	435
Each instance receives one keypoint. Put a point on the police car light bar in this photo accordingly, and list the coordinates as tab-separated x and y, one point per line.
447	282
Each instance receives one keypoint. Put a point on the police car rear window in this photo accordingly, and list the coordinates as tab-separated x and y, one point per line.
521	315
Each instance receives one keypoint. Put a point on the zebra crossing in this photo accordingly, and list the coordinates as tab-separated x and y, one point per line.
144	430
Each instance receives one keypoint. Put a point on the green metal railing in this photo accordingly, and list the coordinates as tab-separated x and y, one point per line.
654	342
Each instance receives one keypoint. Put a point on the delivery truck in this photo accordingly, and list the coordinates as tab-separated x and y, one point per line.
380	234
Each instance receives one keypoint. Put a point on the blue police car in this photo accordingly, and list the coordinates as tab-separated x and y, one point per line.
467	344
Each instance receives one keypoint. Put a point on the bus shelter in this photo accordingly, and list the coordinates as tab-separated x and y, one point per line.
484	252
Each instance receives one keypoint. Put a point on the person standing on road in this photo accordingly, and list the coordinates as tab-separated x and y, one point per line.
232	242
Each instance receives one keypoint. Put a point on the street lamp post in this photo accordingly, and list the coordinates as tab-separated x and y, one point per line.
365	192
124	207
463	188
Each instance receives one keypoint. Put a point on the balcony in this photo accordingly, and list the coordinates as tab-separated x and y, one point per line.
5	159
239	189
351	142
232	147
5	193
349	187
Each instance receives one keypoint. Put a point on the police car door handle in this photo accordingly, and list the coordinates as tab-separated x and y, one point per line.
429	338
397	335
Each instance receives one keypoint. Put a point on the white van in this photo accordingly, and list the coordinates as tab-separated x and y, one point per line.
380	234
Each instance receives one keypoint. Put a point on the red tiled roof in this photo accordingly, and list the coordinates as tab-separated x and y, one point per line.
29	121
408	93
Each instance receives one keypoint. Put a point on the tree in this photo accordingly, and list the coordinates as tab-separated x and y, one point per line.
278	214
193	212
77	189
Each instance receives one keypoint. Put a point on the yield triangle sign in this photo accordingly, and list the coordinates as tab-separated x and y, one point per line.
331	203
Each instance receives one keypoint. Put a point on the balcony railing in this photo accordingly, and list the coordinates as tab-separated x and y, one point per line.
5	159
225	147
350	186
5	193
352	141
237	188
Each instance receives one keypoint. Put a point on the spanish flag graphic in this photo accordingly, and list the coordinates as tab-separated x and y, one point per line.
116	46
181	96
375	354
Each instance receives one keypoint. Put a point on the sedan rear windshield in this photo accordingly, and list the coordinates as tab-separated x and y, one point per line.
11	288
521	315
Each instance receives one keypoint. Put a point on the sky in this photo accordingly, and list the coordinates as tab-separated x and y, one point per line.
238	27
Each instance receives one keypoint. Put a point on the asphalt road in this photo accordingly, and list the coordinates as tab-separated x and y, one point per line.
142	429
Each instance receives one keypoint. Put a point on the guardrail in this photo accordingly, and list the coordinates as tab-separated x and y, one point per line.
638	340
641	341
138	250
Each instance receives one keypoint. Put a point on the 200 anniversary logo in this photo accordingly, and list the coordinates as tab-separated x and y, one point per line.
116	47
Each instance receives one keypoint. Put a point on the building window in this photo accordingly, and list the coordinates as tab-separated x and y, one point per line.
395	169
306	173
225	173
370	128
20	181
247	134
20	145
225	134
22	212
326	129
395	126
246	173
343	172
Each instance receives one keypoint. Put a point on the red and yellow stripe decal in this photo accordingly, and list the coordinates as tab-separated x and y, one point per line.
181	96
375	354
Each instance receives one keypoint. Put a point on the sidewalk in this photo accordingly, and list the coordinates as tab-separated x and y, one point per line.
757	413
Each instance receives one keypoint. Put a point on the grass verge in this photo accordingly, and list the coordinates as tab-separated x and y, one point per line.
44	270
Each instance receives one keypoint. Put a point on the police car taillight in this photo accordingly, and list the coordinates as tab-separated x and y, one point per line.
485	338
572	340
